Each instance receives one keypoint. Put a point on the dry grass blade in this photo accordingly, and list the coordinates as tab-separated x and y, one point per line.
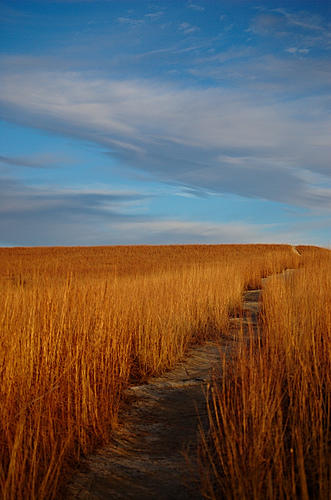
77	324
270	418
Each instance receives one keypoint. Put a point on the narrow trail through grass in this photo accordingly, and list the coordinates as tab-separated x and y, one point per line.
80	325
153	454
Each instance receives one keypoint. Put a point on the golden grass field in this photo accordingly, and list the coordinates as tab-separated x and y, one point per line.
270	416
78	324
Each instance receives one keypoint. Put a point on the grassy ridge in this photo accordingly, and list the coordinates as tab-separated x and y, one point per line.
78	323
270	415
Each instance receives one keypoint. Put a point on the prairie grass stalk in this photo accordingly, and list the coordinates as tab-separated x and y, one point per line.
270	413
78	324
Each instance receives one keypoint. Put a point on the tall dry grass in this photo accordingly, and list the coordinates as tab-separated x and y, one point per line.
270	413
77	324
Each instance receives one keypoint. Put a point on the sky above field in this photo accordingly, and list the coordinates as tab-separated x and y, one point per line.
171	121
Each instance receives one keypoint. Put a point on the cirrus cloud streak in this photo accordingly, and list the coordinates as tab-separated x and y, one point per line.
227	141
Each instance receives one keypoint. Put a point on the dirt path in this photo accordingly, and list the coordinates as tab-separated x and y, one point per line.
153	454
146	459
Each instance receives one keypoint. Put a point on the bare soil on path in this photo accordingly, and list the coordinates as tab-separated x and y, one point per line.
153	454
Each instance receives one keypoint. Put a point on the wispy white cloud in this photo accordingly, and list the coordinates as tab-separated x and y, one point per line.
269	74
296	50
172	231
18	198
196	7
174	49
41	215
211	139
35	215
131	21
302	19
188	28
305	29
154	16
41	160
183	232
248	116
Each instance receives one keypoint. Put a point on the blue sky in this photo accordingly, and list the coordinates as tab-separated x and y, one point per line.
146	122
